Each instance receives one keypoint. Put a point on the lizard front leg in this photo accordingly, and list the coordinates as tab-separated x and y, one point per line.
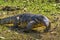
29	26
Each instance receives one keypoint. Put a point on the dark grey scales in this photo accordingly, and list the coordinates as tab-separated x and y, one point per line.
29	18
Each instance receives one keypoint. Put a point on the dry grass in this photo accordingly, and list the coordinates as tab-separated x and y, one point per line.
14	34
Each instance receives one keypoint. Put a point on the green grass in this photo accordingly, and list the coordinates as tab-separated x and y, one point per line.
35	7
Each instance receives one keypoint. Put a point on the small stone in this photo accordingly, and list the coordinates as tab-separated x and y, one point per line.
2	37
37	39
4	13
16	33
9	30
54	33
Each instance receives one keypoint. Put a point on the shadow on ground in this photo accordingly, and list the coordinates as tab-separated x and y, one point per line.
34	34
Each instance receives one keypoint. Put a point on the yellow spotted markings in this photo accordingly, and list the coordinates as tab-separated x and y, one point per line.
10	25
39	27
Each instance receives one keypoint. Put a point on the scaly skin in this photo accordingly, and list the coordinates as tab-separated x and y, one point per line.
30	19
